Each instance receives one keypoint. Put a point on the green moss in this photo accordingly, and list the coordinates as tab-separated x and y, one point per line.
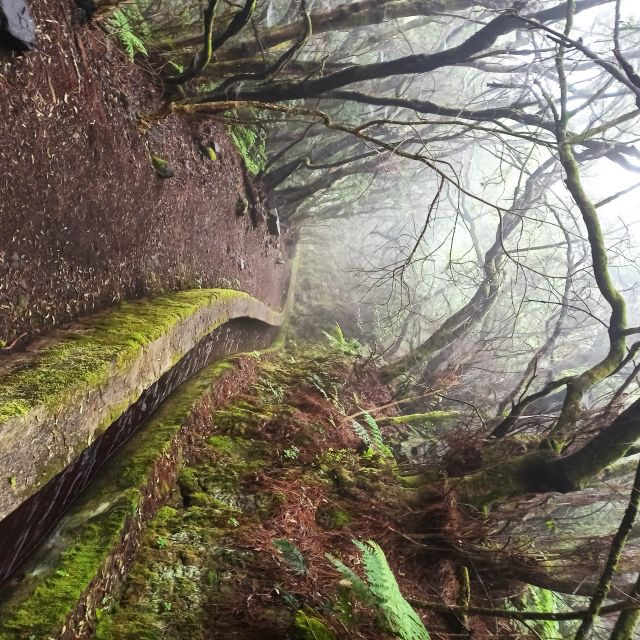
12	408
509	477
48	606
144	626
309	628
188	480
85	358
422	418
168	572
165	517
49	595
331	518
170	581
241	452
223	443
203	499
166	584
242	416
193	566
340	518
162	167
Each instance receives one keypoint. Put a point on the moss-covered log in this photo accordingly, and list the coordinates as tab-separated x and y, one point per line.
430	417
544	471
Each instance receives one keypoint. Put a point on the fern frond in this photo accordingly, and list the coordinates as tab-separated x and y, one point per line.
119	24
544	601
361	432
337	341
376	436
135	45
316	381
292	555
360	589
383	593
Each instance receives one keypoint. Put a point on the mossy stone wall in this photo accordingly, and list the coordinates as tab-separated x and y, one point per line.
56	400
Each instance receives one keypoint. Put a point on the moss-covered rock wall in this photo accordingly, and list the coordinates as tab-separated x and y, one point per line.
57	398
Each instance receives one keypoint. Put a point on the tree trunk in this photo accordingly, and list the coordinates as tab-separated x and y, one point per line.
352	15
625	627
618	319
460	323
481	40
543	471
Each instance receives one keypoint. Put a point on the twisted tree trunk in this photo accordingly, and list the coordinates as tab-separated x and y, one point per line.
463	320
543	471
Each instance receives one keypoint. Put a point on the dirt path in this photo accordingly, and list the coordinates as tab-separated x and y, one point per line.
84	219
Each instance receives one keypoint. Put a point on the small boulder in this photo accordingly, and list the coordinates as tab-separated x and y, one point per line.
208	152
17	27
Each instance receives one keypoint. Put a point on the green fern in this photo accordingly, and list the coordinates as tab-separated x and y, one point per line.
120	25
544	601
175	66
250	143
376	434
337	341
381	591
371	435
359	587
292	556
361	432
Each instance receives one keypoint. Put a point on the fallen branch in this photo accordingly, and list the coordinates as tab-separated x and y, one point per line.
521	615
604	584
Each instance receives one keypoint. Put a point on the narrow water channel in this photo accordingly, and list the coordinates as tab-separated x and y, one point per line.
23	530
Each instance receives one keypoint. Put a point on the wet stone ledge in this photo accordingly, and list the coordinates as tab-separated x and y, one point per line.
59	397
75	398
59	591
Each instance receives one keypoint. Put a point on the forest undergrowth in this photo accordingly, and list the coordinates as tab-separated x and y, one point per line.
290	523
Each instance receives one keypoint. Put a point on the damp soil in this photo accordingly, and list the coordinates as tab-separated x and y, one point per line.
84	219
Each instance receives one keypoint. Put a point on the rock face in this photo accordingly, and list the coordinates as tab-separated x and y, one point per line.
17	27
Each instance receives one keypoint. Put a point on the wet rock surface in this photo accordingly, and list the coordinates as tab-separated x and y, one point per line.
24	528
17	27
